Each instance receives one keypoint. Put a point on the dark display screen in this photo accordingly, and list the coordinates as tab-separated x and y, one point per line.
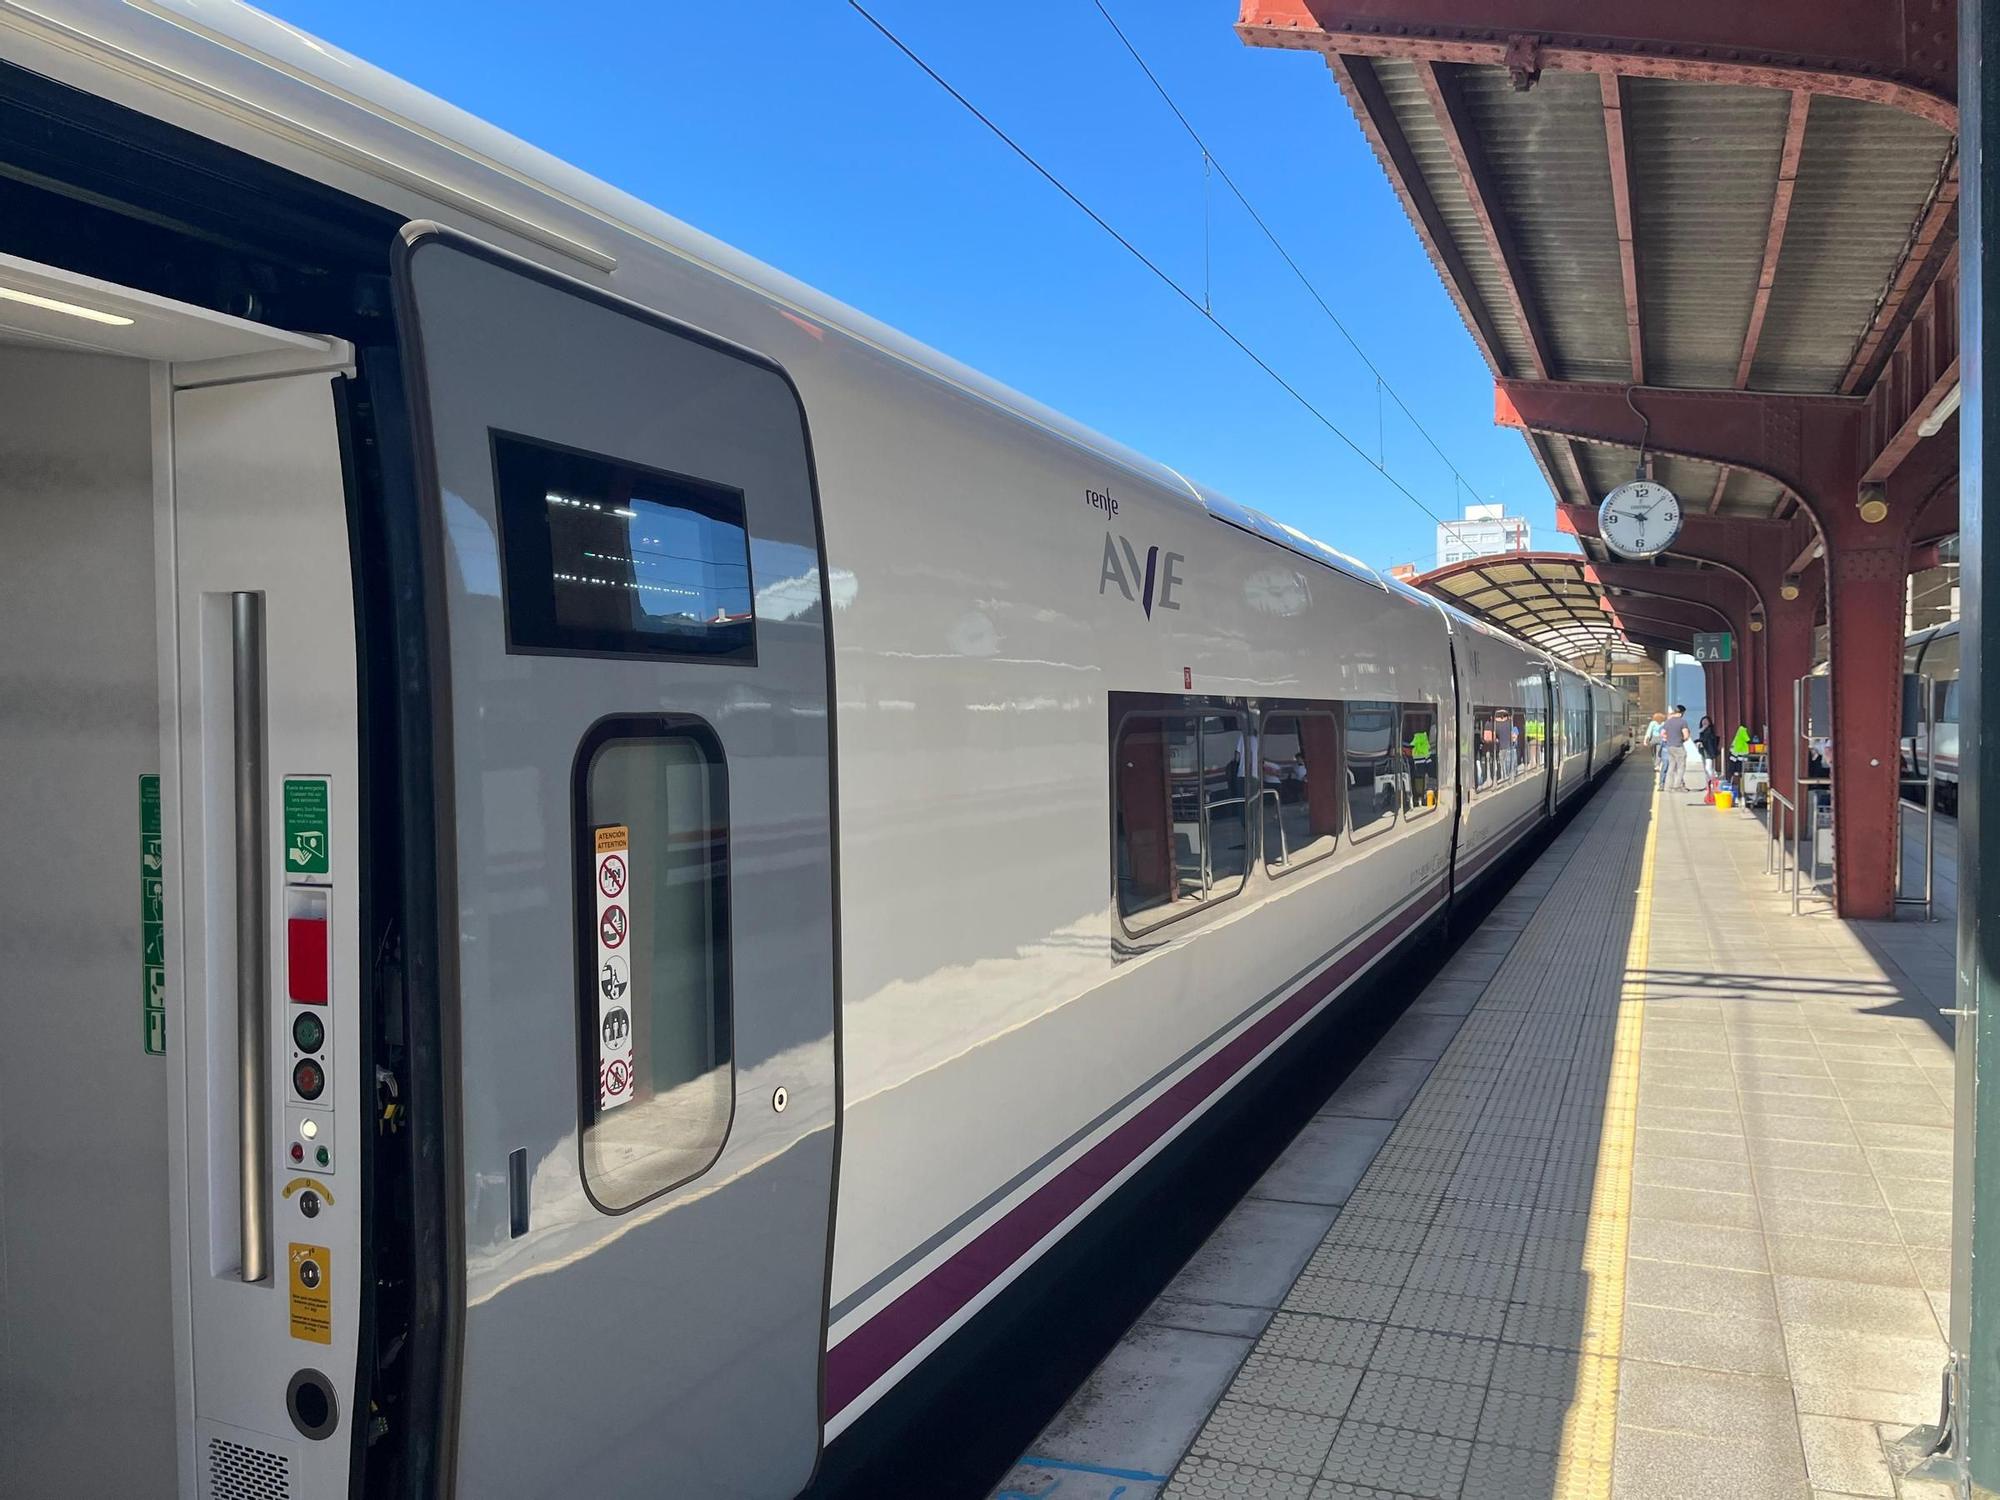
607	557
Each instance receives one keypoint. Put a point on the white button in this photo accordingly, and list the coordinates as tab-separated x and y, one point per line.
308	1128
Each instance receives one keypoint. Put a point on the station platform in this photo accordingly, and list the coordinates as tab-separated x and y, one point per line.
1647	1195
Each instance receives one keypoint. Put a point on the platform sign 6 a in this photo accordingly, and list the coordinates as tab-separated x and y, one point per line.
1714	645
611	879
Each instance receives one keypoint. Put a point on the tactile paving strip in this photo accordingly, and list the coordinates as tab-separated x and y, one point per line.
1440	1343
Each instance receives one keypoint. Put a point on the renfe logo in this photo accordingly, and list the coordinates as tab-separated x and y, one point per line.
1155	578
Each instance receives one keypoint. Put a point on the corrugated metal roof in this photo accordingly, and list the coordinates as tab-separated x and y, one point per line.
1419	125
1704	159
1864	176
1551	177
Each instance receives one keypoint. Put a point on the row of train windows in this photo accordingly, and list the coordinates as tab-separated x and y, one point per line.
1200	793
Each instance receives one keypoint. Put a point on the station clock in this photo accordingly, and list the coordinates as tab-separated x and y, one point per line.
1639	519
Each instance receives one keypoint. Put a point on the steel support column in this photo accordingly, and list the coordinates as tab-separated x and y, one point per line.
1816	447
1974	1425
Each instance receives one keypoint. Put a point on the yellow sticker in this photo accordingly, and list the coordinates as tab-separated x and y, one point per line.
311	1272
614	839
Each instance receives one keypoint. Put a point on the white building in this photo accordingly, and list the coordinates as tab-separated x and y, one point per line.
1484	530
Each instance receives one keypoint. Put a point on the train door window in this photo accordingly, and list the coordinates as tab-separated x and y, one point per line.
1299	776
652	825
1374	788
1539	726
610	558
1420	758
1941	664
1181	832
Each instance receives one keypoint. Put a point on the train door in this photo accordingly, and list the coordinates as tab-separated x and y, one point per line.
645	997
177	669
1555	741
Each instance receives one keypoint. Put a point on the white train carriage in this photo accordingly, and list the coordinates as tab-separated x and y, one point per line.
606	850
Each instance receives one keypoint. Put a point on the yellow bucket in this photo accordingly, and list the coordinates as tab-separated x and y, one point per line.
1724	797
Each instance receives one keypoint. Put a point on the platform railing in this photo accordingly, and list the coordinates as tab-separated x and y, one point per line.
1778	851
1928	780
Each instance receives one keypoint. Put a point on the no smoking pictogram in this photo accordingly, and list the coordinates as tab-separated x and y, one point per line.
611	875
612	926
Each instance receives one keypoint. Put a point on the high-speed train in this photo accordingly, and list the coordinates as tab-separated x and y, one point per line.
1933	653
602	851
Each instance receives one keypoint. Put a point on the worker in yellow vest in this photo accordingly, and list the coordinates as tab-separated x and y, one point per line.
1420	768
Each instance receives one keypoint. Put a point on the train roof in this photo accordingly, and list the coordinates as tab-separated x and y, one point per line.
223	57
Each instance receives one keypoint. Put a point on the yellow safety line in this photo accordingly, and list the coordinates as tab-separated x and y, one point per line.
1590	1424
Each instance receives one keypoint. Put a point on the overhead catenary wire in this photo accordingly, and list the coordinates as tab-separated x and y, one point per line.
1193	301
1209	160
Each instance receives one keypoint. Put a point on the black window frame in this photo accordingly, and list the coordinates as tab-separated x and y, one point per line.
608	730
1412	810
1121	709
1375	827
1280	708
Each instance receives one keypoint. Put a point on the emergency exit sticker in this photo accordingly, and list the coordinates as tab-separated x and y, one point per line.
310	1278
306	821
152	918
611	875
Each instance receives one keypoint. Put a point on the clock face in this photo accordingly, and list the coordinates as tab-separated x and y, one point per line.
1639	519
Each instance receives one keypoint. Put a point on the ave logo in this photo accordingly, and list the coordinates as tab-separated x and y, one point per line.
1145	581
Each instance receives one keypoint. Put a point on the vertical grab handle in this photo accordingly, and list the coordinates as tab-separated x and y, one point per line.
246	639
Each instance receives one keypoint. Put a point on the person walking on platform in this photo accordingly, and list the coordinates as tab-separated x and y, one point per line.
1674	738
1708	739
1655	744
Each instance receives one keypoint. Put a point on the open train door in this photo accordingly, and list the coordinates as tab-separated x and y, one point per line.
640	994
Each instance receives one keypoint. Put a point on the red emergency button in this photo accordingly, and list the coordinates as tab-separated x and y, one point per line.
306	960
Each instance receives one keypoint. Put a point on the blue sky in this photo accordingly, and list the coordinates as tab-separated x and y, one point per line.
798	134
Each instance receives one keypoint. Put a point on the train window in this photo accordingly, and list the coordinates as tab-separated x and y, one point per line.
605	557
1374	785
652	825
1182	829
1420	758
1500	745
1299	774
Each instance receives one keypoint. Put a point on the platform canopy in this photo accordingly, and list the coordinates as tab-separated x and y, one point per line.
1717	244
1548	598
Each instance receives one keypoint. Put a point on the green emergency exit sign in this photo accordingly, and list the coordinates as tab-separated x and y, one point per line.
306	851
152	918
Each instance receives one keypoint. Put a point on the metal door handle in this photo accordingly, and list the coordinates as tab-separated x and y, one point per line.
246	642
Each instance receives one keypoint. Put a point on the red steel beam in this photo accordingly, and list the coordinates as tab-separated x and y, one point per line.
1616	143
1811	445
1774	234
1902	53
1461	139
1919	374
1377	118
1575	463
1919	263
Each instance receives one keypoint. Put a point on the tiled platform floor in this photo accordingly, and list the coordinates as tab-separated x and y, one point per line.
1543	1243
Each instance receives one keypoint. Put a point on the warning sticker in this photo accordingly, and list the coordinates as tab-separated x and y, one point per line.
310	1277
152	918
612	874
306	851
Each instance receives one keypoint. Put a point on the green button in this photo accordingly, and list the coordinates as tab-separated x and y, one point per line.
323	1156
